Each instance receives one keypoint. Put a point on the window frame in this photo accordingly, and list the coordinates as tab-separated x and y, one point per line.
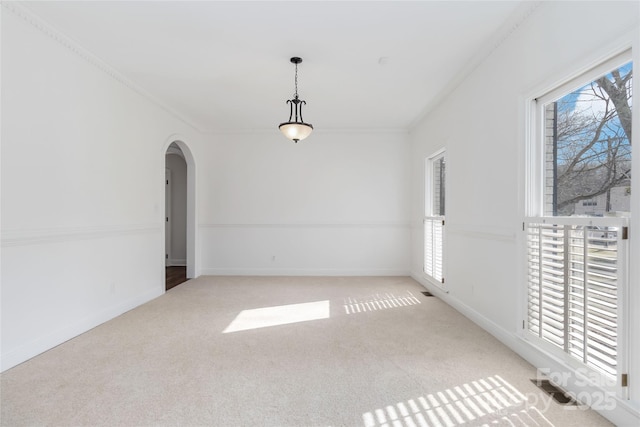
430	219
534	204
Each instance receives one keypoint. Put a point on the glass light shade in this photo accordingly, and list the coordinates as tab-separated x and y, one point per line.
296	131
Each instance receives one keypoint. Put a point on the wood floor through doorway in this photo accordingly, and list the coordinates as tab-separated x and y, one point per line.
175	276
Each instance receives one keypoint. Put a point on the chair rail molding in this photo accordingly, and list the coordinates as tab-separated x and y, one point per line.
21	237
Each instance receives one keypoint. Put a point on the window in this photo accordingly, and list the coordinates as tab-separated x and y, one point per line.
587	144
578	214
434	217
437	185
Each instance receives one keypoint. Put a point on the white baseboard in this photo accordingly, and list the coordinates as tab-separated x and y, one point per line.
41	344
176	263
301	272
623	413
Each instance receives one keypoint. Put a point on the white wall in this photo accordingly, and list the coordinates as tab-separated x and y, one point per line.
83	166
82	223
333	204
82	190
481	124
178	215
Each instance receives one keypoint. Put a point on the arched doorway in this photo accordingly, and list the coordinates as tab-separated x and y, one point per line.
179	213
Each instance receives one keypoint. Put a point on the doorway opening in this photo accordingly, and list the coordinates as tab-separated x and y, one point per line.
176	216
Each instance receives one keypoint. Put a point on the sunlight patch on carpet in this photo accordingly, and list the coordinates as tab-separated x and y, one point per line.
380	301
486	401
279	315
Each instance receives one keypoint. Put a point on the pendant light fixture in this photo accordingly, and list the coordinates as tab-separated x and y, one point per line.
296	129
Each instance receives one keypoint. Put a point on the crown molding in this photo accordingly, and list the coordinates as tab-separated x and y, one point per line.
517	18
513	22
22	11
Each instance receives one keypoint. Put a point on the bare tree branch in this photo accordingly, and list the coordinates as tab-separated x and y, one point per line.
593	147
617	92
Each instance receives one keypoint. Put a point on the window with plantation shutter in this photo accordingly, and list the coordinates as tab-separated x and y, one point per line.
434	217
579	209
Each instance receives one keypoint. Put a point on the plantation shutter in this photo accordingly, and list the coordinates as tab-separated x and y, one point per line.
574	286
433	247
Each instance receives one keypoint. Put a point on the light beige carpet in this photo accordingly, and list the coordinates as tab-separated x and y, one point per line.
284	351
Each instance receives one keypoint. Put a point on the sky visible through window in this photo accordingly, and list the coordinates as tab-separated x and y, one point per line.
589	144
570	101
585	103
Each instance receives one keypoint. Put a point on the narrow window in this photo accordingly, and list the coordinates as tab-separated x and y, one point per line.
434	217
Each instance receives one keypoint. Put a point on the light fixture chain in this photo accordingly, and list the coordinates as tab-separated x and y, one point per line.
296	82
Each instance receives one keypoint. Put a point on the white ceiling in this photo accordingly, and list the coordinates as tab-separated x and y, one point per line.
224	66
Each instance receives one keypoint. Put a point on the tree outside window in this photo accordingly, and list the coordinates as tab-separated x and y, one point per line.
588	146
